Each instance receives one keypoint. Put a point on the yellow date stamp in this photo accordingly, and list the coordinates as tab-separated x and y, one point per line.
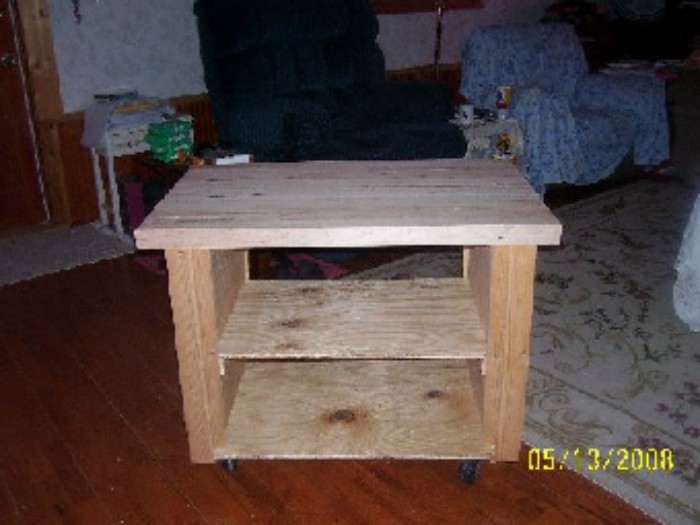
594	459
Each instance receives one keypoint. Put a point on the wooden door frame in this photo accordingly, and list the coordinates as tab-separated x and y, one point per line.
37	41
45	101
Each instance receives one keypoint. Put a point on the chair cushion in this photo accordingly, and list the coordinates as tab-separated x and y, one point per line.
408	101
273	71
353	63
394	141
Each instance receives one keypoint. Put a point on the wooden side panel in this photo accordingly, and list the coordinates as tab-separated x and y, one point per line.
231	380
203	288
510	320
478	271
466	252
229	273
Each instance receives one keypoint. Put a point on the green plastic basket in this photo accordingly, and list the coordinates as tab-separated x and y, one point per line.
170	137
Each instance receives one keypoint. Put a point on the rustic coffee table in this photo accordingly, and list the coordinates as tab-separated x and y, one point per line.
423	368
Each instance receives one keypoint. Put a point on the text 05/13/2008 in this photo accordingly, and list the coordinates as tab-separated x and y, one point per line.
593	459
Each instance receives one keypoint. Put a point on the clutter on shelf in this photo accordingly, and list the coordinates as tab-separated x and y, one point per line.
120	121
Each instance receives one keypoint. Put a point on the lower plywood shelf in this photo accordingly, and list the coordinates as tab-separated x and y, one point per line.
355	409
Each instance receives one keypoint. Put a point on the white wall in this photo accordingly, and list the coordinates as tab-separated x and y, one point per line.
152	46
149	45
409	40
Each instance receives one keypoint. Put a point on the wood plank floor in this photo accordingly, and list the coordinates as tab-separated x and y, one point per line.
91	432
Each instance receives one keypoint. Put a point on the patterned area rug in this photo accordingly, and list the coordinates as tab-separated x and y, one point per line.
31	255
613	385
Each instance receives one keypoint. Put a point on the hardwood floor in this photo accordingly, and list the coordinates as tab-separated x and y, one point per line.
92	433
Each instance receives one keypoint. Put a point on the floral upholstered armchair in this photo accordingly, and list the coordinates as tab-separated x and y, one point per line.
578	127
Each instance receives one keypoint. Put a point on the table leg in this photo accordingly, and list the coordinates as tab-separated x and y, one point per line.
508	306
204	285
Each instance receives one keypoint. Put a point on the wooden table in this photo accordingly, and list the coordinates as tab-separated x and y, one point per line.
482	139
424	368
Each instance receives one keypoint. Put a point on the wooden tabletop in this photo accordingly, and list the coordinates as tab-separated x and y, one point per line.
350	204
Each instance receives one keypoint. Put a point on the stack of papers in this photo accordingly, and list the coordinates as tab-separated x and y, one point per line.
114	111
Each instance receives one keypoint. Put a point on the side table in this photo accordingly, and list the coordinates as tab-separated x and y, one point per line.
483	139
417	368
118	141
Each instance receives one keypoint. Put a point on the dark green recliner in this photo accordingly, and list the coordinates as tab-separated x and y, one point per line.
294	80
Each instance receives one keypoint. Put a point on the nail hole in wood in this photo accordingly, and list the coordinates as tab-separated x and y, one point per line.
292	323
290	345
342	416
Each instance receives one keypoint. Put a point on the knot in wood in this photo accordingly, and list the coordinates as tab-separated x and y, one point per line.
435	394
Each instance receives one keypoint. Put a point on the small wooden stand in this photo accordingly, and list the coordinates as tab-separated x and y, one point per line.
118	142
424	368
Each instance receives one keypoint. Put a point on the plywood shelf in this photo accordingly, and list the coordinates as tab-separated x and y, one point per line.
356	409
409	319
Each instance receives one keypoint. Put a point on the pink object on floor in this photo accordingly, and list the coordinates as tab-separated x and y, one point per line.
134	204
152	261
330	270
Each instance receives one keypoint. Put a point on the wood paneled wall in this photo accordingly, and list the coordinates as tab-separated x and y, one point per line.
71	164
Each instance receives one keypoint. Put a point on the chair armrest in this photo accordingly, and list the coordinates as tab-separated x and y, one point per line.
282	129
643	97
552	153
623	92
408	101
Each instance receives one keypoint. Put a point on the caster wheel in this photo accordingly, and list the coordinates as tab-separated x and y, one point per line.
469	470
229	464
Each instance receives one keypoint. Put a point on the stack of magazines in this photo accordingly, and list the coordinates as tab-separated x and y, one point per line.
111	110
